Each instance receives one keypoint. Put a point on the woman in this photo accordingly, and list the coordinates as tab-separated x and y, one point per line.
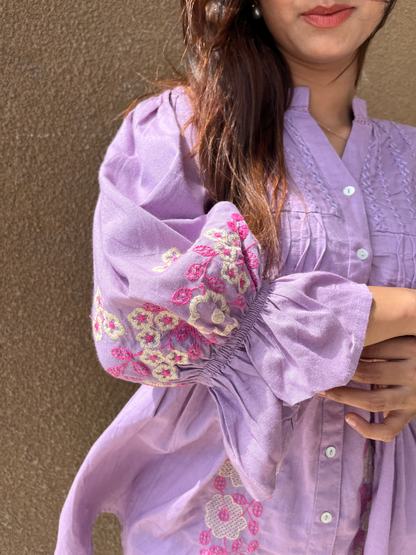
258	434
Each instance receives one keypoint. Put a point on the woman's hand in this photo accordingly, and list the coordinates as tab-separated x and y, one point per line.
395	375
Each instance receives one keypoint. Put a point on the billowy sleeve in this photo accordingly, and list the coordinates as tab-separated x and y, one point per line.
180	299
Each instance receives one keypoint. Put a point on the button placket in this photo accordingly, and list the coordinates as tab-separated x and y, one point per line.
327	498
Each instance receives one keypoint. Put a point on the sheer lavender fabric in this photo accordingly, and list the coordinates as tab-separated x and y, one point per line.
231	451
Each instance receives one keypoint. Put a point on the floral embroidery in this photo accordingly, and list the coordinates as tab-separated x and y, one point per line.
224	518
216	309
112	326
167	342
153	324
103	320
228	471
228	515
168	258
234	258
244	283
164	370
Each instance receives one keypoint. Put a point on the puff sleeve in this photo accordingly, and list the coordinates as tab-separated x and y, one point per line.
180	299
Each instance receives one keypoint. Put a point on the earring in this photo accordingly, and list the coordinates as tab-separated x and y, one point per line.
256	11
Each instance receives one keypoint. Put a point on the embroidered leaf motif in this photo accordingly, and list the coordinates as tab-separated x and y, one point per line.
195	272
194	351
237	545
250	259
205	537
153	307
216	284
220	483
204	552
183	332
217	550
204	250
257	509
121	353
182	296
232	226
240	499
206	340
253	527
141	369
114	371
252	546
240	301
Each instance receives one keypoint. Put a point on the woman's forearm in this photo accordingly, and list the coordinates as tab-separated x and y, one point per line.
393	314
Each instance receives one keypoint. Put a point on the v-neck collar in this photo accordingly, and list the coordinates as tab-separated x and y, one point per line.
328	160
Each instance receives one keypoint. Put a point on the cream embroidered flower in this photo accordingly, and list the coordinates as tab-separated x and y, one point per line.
140	318
229	272
98	301
165	320
216	235
97	326
112	326
228	471
165	373
243	283
216	314
168	258
149	338
176	357
224	518
103	320
152	358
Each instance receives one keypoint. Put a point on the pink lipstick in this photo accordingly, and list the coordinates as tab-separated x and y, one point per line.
328	17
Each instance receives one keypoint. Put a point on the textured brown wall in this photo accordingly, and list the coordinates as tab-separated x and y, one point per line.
69	69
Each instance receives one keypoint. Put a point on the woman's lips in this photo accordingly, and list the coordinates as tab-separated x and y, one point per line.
326	18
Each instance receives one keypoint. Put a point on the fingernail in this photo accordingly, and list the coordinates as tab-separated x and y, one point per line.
322	394
352	422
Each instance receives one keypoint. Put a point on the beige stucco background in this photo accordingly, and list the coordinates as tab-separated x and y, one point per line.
69	68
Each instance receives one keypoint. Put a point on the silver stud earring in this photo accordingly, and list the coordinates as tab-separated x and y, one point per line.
256	11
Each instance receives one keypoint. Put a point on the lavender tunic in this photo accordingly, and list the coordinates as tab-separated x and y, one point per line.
233	452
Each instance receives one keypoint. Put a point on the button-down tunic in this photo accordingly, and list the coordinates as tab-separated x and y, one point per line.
233	451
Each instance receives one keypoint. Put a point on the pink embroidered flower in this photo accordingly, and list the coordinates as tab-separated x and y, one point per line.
224	518
210	314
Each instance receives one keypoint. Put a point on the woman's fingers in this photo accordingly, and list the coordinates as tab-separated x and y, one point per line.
386	373
376	400
386	431
392	349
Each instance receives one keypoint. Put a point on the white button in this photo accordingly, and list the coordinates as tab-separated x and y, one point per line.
330	452
349	191
326	517
362	254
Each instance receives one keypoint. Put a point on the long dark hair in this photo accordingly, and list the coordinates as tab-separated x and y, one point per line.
240	87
